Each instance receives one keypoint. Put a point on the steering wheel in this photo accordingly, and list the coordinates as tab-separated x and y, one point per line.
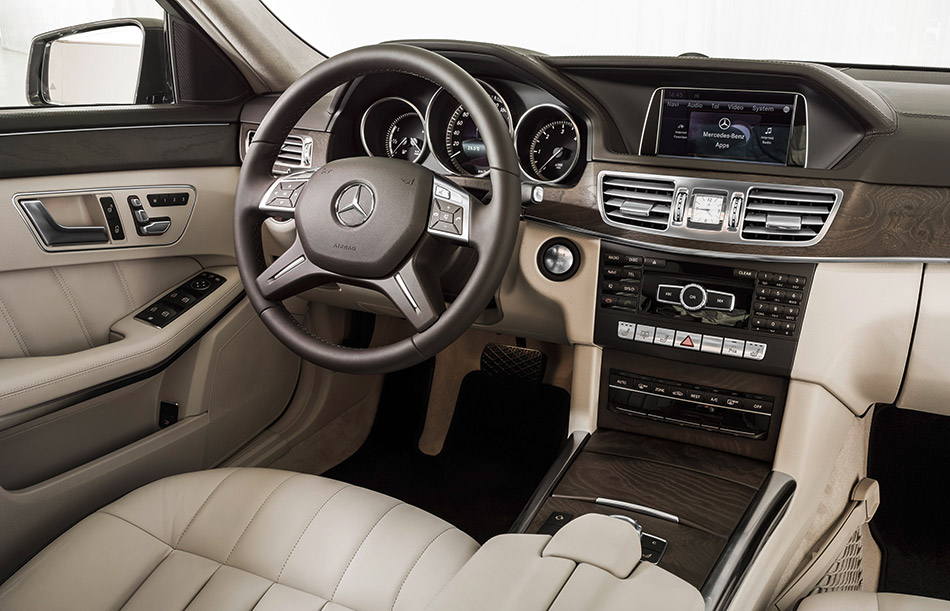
378	223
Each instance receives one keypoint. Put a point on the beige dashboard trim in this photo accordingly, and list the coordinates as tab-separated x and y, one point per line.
926	382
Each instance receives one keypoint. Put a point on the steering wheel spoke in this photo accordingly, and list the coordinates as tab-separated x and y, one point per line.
281	197
290	274
415	290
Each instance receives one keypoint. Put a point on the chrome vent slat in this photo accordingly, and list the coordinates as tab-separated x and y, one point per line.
636	203
805	214
638	185
294	152
762	206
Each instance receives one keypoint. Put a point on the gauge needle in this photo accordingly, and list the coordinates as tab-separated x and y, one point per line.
414	142
399	146
557	153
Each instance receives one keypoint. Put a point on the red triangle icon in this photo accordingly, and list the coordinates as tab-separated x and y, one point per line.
687	342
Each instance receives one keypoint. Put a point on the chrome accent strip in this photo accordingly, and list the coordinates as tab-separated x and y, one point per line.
289	267
405	291
109	129
631	522
647	511
731	187
412	107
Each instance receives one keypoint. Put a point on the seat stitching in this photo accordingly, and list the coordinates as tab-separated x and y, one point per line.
73	305
243	532
182	535
413	567
150	573
204	585
265	591
353	557
104	512
306	528
8	317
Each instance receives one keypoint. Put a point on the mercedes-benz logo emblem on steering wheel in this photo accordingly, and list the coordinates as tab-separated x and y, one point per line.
355	205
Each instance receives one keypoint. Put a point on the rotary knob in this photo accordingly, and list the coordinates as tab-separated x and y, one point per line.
693	297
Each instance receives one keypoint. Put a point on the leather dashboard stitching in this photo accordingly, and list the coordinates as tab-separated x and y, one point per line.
8	317
210	494
58	378
413	567
306	528
243	532
353	557
72	304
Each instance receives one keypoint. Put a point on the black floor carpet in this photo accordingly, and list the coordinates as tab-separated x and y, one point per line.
910	457
503	438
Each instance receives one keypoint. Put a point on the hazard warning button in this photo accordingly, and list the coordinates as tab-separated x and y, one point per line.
690	341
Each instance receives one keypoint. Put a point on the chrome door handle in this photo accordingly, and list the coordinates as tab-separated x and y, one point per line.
54	234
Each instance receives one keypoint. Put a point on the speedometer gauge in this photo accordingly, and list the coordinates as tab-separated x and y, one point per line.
455	139
463	142
548	143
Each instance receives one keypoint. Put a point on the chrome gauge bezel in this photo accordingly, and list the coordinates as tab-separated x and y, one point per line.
409	106
429	126
522	158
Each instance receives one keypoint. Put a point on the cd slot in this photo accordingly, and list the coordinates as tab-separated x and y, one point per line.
711	409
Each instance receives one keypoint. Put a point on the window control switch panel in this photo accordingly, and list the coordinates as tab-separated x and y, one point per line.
171	305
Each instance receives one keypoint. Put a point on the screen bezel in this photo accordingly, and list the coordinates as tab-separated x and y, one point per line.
650	136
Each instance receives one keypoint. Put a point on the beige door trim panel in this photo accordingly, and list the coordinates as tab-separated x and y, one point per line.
29	381
208	235
87	208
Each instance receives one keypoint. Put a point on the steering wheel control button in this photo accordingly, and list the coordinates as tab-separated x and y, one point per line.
626	330
733	347
664	337
687	340
645	334
754	351
693	297
711	344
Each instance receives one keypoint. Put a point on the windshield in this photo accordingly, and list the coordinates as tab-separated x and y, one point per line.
871	32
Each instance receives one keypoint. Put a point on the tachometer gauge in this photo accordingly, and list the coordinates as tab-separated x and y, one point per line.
393	127
406	138
548	143
461	148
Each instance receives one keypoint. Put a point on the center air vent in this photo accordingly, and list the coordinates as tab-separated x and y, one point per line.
636	202
777	214
296	152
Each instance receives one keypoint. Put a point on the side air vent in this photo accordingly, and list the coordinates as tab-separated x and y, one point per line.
295	154
636	202
777	214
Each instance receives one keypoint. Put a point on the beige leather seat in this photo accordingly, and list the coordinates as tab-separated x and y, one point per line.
245	539
869	601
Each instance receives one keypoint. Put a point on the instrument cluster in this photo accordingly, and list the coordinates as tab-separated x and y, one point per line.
444	136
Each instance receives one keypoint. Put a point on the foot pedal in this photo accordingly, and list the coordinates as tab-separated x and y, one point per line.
513	362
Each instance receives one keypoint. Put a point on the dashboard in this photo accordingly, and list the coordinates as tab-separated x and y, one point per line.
426	125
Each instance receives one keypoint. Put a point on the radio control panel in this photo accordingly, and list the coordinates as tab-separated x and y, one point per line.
745	316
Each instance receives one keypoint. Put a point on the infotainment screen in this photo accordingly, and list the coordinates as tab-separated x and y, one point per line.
753	126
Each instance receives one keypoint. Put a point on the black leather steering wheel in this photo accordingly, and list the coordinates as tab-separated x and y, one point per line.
377	223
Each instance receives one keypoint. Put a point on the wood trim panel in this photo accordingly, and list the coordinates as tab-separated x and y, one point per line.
873	221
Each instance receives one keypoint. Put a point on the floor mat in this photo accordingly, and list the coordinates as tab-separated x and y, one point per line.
908	456
503	438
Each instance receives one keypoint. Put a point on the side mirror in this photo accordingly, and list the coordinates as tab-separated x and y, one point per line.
120	61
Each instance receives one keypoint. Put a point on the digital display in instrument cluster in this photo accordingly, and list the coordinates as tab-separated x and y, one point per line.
750	126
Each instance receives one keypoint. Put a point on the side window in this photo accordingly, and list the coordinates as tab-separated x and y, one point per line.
83	52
